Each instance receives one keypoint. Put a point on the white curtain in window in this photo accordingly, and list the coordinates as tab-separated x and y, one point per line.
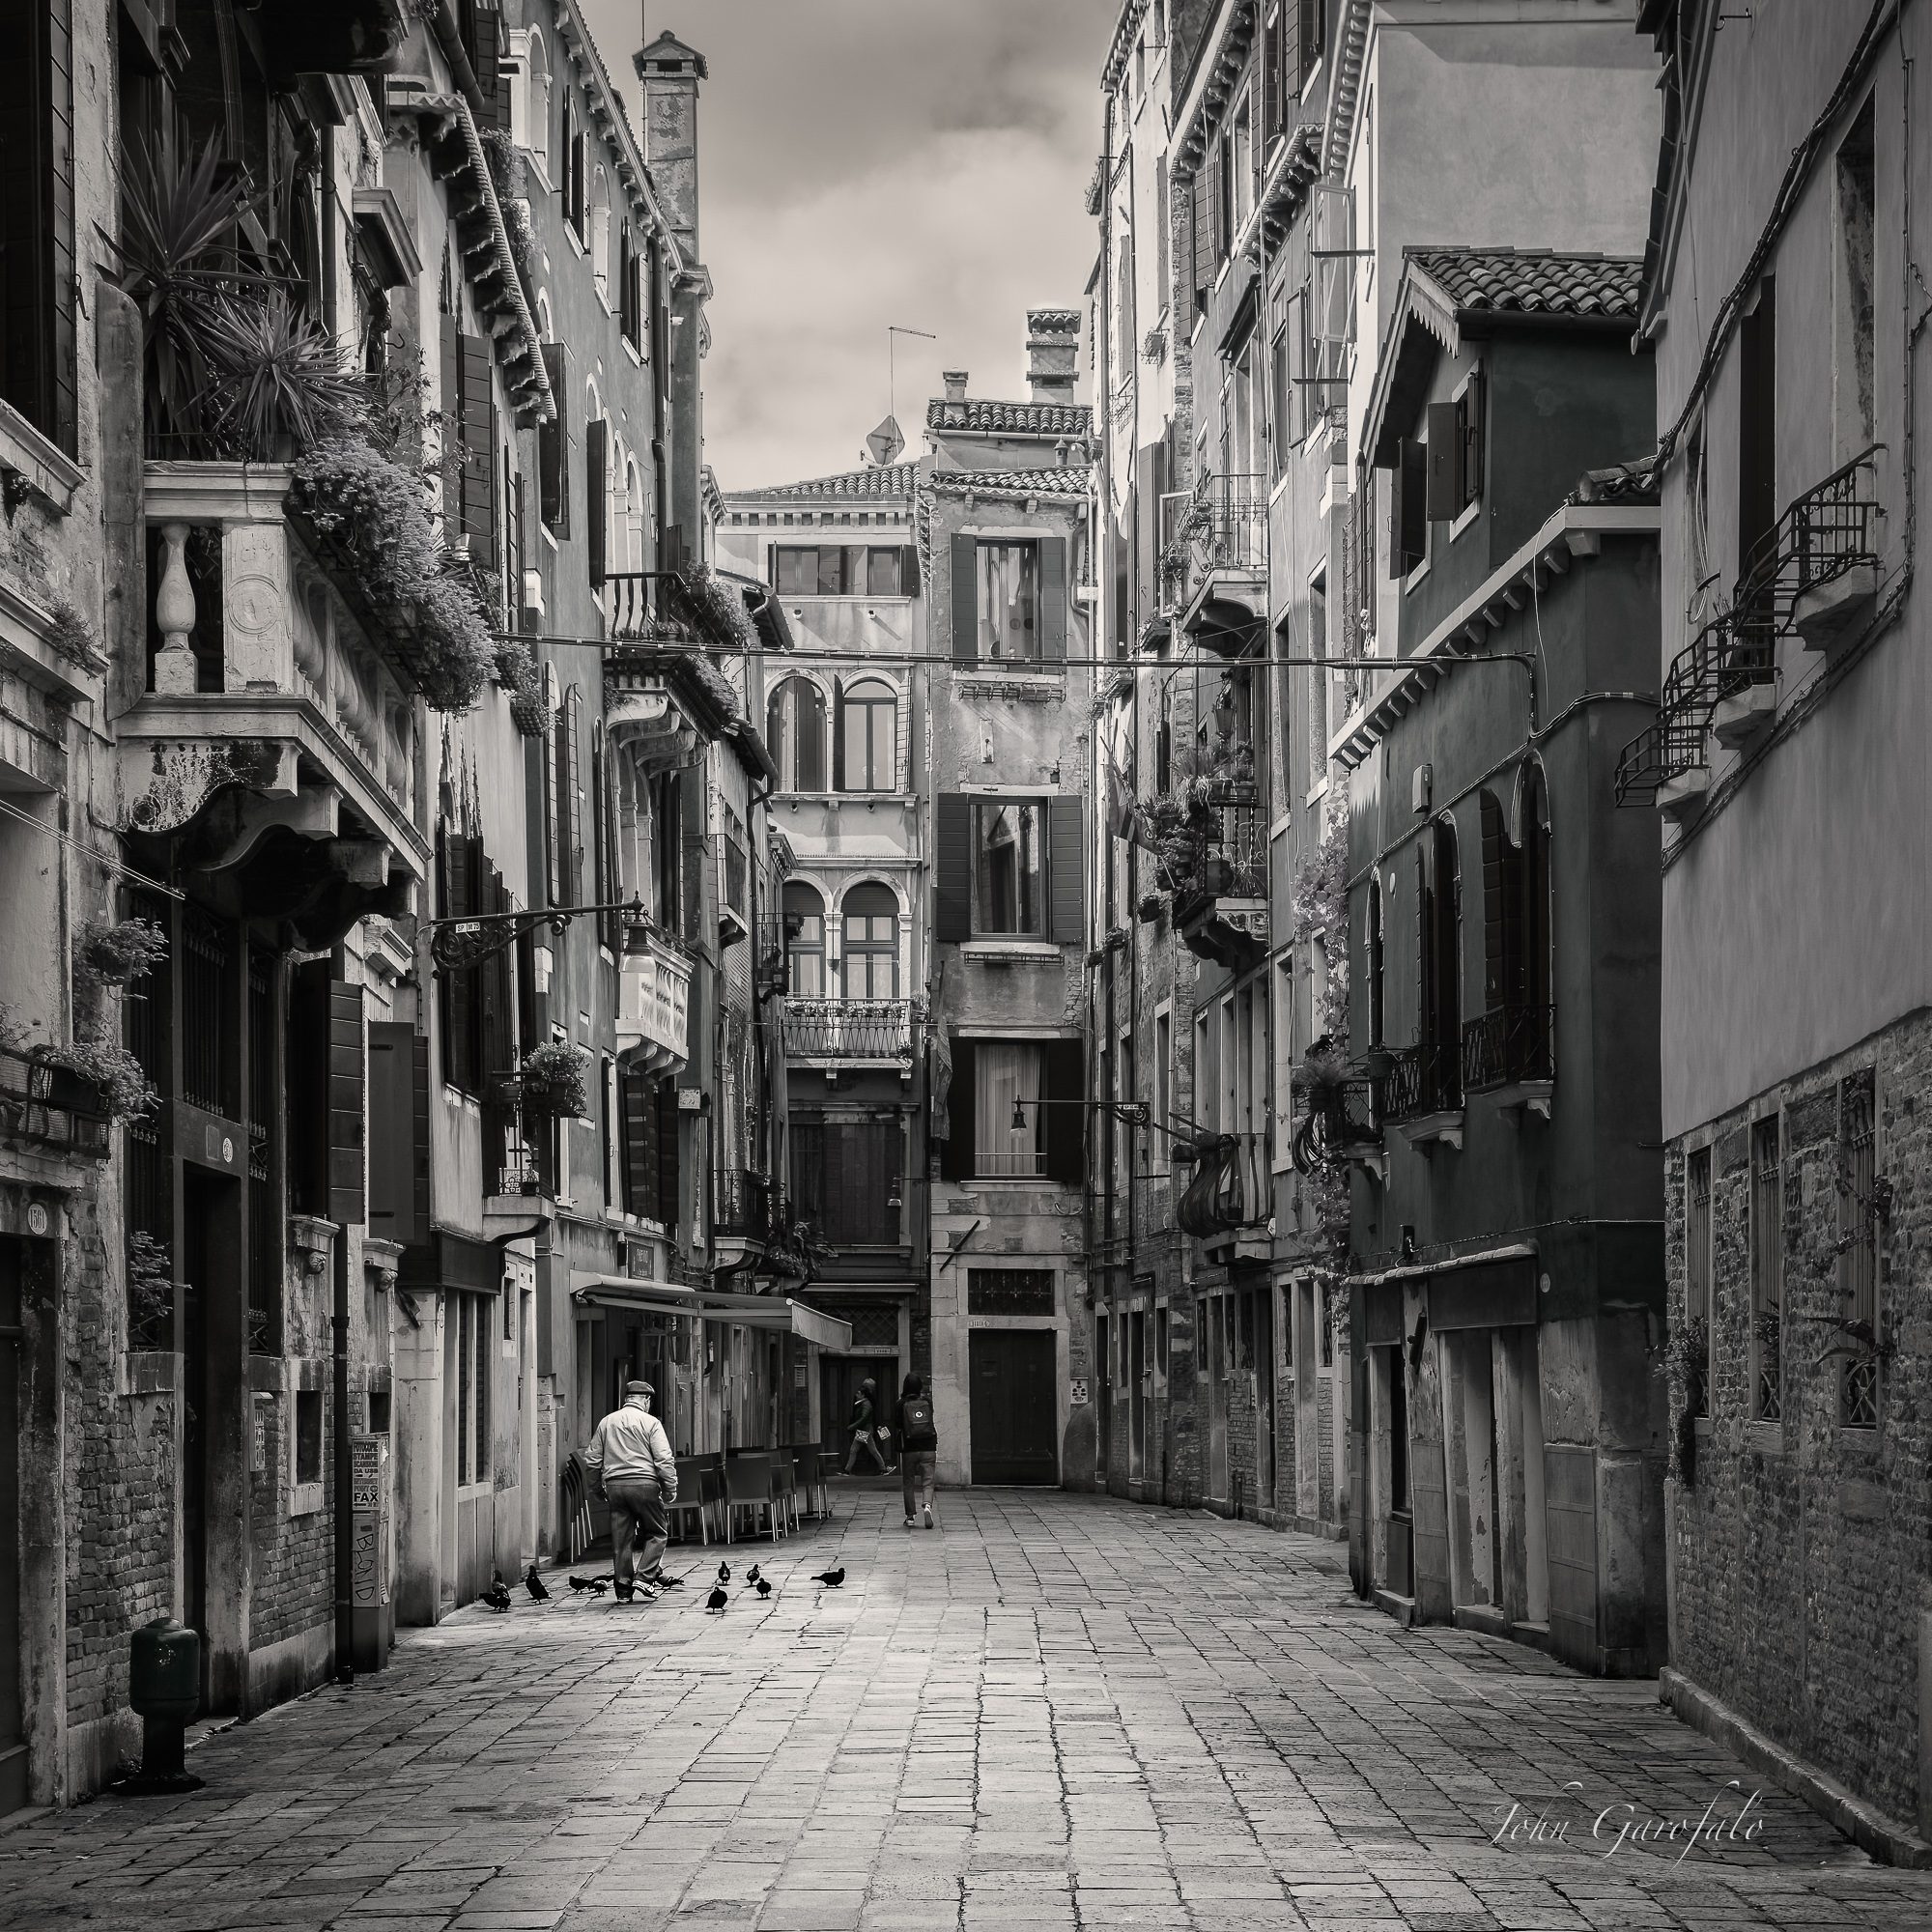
1006	1071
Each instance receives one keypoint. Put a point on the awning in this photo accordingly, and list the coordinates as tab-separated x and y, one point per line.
1415	1270
747	1310
1494	1288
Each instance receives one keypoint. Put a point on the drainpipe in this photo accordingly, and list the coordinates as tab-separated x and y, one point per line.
345	1517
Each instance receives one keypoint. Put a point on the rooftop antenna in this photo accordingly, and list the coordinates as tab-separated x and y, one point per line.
884	442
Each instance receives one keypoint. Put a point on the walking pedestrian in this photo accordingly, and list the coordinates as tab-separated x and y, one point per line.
919	1443
862	1426
633	1469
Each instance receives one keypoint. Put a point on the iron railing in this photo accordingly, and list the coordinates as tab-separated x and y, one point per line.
1219	525
848	1029
52	1106
742	1206
1422	1080
1339	1121
1507	1045
629	607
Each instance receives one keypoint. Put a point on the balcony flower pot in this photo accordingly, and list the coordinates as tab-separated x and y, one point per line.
1233	791
553	1080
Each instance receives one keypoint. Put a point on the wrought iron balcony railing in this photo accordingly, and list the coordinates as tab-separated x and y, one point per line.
1422	1080
1508	1046
1339	1121
1220	525
51	1106
855	1030
742	1207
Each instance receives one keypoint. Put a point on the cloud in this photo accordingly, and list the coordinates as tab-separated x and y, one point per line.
863	163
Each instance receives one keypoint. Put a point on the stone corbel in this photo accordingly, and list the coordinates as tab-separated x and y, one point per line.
168	784
313	1240
244	819
362	862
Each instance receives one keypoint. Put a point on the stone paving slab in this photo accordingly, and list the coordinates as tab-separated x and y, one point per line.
1060	1712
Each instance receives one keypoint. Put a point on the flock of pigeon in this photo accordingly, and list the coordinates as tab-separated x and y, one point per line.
497	1595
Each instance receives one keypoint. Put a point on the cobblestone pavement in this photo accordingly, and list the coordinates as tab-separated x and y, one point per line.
1059	1710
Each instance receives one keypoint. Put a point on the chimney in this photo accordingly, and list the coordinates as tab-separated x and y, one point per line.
1053	351
955	384
670	72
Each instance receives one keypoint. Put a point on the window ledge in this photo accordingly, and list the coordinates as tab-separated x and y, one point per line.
1416	578
1471	512
24	452
631	349
304	1498
1010	948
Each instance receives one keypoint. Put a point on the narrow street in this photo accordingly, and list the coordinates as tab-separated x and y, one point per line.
1059	1710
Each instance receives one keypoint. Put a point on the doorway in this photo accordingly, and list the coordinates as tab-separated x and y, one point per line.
1137	1371
838	1381
1264	1300
1014	1411
198	1206
1103	1362
1217	1398
12	1744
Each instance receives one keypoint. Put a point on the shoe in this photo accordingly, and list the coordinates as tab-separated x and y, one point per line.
928	1521
908	1523
623	1592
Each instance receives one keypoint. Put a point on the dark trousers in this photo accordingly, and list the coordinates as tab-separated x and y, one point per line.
635	1506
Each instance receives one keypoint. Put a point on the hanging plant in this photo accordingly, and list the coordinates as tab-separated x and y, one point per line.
111	955
150	1292
721	609
522	680
552	1079
124	1090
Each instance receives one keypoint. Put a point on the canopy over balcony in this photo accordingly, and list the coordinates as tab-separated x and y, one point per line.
274	734
773	1311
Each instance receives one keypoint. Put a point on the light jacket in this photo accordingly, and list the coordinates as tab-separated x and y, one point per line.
631	1446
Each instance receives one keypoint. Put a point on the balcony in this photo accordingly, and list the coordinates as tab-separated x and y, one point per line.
734	918
741	1214
653	1002
1510	1055
662	699
1814	576
1339	1124
1217	871
51	1109
1214	561
849	1033
1422	1095
270	697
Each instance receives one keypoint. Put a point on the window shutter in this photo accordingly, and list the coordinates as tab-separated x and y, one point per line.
1443	490
1067	1124
668	1200
961	1112
1408	509
1164	294
1472	442
1201	230
596	493
953	870
346	1203
965	600
570	813
492	992
450	338
392	1132
1053	599
1272	50
639	1172
839	736
1494	897
1065	871
772	565
419	1138
487	40
478	455
554	444
1424	928
1308	40
909	571
1217	199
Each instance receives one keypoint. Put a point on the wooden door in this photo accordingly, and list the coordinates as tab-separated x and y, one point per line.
1217	1398
1137	1393
839	1380
1103	1394
12	1744
1264	1397
1014	1420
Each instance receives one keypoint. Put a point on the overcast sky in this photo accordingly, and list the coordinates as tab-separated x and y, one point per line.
864	162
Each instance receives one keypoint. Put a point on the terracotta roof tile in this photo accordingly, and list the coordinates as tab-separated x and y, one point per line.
1069	482
893	479
1021	419
1525	281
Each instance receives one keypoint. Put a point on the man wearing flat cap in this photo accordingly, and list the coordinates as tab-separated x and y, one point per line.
633	1469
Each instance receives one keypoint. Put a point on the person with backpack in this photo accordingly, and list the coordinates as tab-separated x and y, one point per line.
919	1443
863	1434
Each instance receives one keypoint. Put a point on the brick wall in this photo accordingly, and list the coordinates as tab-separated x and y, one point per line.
1801	1545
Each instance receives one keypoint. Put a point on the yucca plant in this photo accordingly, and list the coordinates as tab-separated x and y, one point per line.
176	250
275	382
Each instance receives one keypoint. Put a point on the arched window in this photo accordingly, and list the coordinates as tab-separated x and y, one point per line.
871	943
600	232
1440	1003
1375	938
633	518
795	735
545	330
805	943
867	737
538	101
1538	928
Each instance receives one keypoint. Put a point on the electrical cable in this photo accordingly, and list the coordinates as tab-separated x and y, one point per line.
114	865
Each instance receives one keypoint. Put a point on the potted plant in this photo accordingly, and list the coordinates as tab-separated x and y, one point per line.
552	1079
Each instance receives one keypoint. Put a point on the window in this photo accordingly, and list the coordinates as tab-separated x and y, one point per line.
538	128
844	570
1438	884
870	967
1009	865
804	942
795	734
1375	962
308	1435
869	738
472	1389
1241	151
37	356
1857	1262
1324	1338
1454	453
1698	1273
1767	1257
1008	600
1162	1143
1009	1291
846	1176
1007	1077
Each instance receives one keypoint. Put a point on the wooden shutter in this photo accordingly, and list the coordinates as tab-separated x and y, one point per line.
1495	909
838	735
965	600
1308	38
1202	222
909	570
953	869
1425	955
569	804
1273	34
1066	1124
1408	509
1053	599
596	493
345	1103
669	1199
1160	235
398	1151
487	35
1472	441
1065	869
450	338
554	444
961	1114
478	453
1442	459
494	1054
639	1168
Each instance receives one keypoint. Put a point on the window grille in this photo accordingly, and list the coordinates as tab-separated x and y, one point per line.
1697	1274
1767	1273
1009	1291
1858	1396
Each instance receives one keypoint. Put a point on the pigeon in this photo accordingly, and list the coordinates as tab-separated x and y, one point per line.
534	1584
830	1578
717	1599
596	1586
723	1572
498	1595
764	1587
752	1574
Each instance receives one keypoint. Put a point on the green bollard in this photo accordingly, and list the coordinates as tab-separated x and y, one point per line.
165	1686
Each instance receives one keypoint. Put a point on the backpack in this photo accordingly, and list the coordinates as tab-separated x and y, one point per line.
916	1418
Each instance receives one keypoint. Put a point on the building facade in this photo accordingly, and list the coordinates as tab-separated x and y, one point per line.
1783	762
